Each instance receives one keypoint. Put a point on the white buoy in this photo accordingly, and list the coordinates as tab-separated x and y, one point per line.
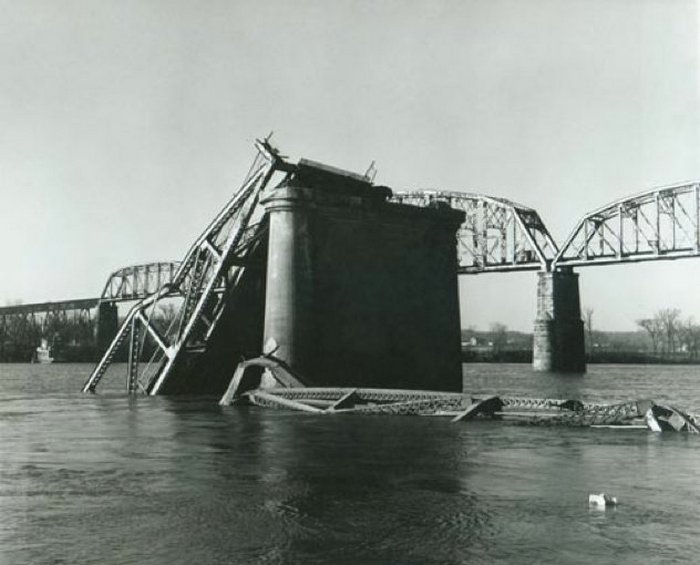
601	500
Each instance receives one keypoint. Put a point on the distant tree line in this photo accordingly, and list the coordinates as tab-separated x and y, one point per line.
497	344
665	337
71	334
671	335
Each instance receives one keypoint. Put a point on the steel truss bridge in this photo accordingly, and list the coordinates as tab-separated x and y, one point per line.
660	224
25	318
138	281
501	235
123	285
23	324
209	274
496	235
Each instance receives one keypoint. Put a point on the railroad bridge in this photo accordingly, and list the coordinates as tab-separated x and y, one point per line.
92	320
659	224
266	270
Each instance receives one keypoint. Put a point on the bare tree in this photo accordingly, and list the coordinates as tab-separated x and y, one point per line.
499	336
690	337
654	329
669	321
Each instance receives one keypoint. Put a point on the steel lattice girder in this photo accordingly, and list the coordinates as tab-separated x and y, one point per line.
209	271
22	309
47	312
497	234
662	223
138	281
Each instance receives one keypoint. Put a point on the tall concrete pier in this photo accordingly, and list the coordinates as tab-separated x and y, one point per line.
558	337
360	291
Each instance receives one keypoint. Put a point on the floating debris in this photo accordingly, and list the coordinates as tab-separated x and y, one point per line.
601	501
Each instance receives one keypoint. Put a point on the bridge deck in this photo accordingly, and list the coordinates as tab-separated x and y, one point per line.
76	304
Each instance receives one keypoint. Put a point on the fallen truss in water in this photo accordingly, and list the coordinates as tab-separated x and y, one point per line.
204	282
287	392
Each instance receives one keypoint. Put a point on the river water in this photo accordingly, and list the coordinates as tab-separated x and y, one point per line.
110	479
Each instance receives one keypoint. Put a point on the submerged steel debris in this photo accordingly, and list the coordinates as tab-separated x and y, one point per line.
459	407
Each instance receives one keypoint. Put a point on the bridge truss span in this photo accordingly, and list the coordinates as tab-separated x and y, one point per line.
497	234
197	288
660	224
138	281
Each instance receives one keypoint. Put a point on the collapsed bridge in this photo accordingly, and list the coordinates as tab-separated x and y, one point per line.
341	283
350	283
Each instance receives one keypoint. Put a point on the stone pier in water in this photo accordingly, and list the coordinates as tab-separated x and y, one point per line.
558	336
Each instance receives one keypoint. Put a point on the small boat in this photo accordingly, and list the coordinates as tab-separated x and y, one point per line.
43	353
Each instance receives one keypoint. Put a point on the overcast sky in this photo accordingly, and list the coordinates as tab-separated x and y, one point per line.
125	125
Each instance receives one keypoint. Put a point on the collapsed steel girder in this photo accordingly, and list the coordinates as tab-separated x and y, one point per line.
138	281
497	234
663	223
200	287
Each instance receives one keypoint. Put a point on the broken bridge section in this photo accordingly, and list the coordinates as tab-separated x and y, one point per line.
214	296
349	288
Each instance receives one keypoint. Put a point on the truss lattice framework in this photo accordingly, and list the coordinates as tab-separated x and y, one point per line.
497	234
663	223
138	281
47	314
201	285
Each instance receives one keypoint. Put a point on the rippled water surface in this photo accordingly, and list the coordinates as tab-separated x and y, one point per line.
112	479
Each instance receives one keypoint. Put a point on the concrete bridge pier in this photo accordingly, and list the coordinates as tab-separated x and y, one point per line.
360	291
558	336
106	327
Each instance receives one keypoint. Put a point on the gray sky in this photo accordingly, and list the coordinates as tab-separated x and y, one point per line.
125	125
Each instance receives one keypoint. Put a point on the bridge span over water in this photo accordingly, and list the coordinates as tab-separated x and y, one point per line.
493	235
22	325
498	235
123	285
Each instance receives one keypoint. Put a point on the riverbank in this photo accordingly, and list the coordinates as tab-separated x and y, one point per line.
600	357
